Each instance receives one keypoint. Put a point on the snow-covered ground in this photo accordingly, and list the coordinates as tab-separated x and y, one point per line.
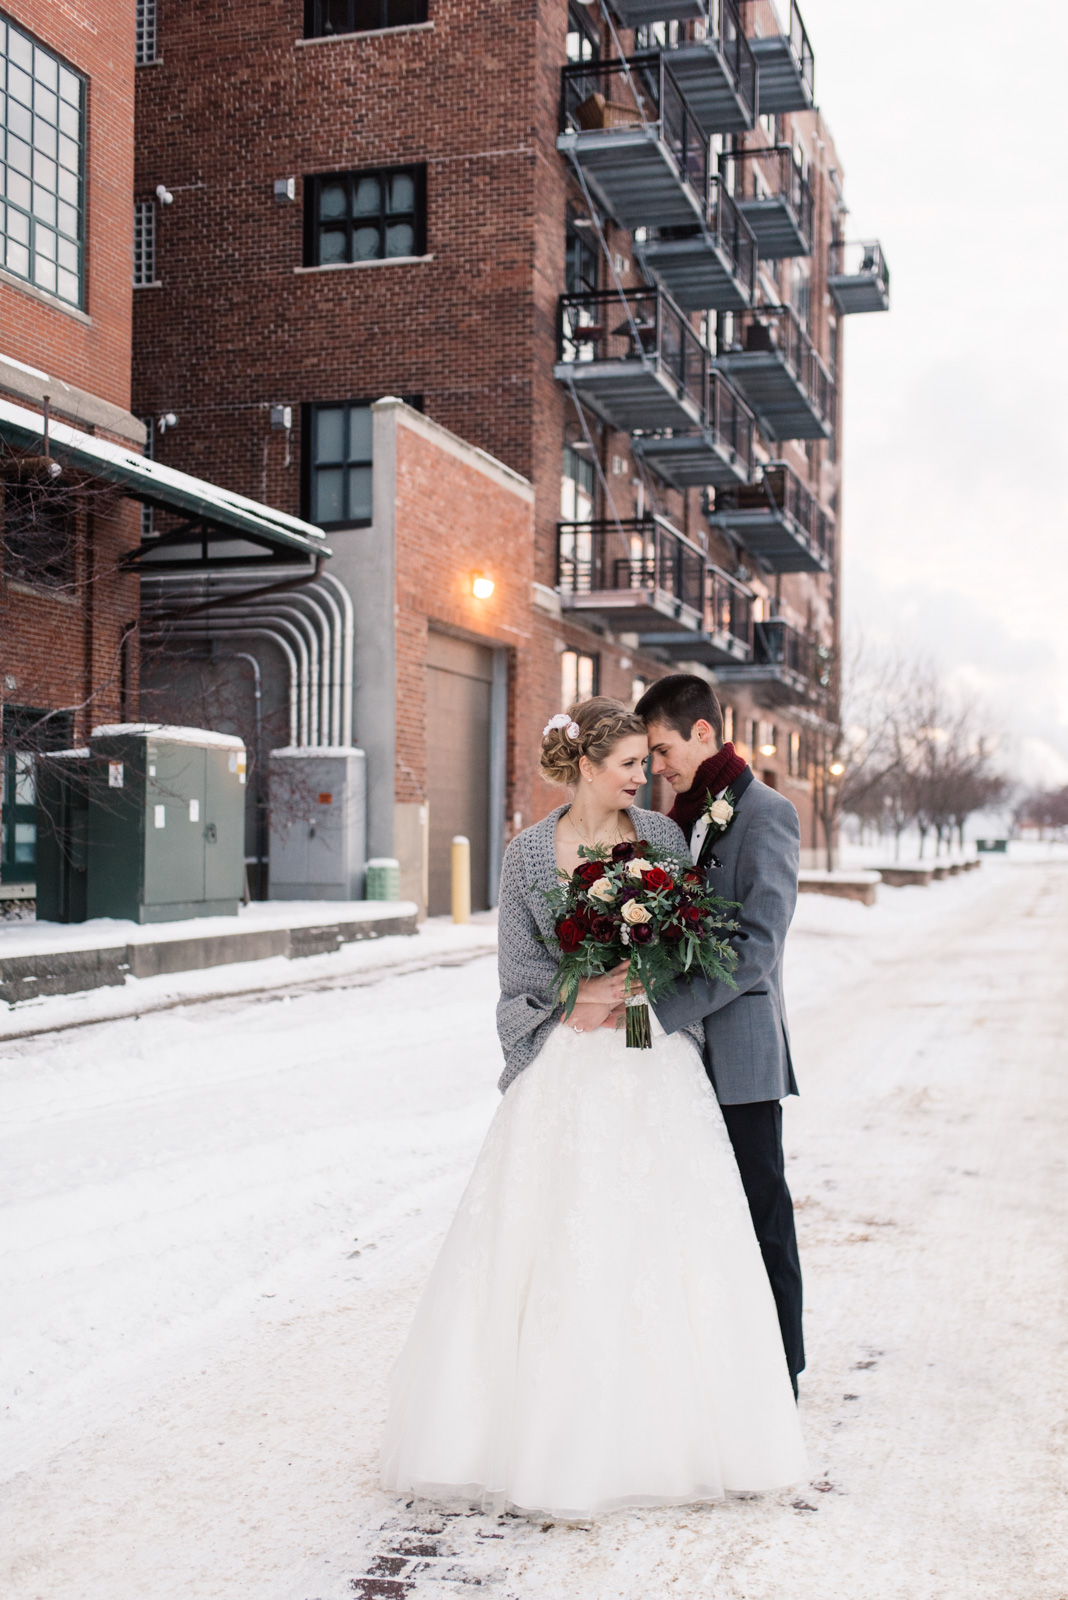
216	1221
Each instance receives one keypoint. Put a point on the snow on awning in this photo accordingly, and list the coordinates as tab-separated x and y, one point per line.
223	528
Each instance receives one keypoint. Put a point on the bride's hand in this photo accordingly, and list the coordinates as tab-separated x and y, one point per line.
588	1017
606	991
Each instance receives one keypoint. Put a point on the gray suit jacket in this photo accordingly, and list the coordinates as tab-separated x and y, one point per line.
747	1043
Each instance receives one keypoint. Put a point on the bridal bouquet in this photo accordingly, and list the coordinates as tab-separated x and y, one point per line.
639	904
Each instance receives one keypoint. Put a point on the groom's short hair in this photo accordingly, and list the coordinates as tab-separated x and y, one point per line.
680	700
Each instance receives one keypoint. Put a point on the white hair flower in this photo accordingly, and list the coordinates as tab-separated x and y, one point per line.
561	720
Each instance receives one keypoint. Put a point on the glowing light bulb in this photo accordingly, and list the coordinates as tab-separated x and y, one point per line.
836	769
482	587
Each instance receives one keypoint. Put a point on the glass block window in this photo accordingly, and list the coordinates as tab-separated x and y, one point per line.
25	732
144	258
365	216
325	17
145	47
42	180
339	451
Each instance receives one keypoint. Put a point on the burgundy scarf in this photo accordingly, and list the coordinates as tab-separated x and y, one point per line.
718	772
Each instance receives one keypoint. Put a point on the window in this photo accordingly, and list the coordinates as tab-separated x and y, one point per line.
41	223
144	256
794	765
38	533
364	216
576	487
579	676
145	45
728	724
25	731
638	687
339	465
801	294
583	41
324	17
148	520
580	267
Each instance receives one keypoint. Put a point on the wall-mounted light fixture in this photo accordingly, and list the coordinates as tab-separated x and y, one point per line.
836	769
163	195
767	749
282	417
285	191
482	587
168	420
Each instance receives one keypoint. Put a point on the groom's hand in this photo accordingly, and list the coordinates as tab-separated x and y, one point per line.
607	990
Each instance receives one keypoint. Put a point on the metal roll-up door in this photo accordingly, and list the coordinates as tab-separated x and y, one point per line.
458	706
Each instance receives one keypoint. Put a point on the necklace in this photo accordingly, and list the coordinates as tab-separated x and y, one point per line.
592	844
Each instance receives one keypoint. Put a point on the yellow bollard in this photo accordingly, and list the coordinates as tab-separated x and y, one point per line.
461	879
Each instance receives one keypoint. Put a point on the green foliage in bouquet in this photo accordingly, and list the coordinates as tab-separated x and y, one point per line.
639	904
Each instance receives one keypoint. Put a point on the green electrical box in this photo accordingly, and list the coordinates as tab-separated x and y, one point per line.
166	823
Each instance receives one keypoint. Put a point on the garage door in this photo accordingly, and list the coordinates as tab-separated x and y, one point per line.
458	695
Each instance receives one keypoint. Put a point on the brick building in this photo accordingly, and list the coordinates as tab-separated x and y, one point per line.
602	243
71	452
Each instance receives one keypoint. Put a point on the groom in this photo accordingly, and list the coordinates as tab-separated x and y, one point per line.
747	840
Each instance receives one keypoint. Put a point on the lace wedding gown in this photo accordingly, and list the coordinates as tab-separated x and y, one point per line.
598	1330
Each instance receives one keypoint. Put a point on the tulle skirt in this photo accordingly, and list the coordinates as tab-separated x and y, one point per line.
598	1330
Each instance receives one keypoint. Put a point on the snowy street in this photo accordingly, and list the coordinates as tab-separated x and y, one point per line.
216	1220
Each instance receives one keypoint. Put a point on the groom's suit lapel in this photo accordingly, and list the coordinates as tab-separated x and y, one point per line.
711	839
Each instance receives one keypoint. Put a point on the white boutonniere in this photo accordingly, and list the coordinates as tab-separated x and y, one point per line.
720	813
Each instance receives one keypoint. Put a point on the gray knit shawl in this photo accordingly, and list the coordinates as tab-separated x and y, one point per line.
527	1009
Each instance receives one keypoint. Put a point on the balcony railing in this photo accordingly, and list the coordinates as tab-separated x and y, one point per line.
783	660
770	358
633	359
783	56
635	575
628	127
719	453
778	520
716	69
773	195
644	13
708	267
858	277
726	625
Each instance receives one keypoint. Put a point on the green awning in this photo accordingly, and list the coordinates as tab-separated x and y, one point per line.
220	525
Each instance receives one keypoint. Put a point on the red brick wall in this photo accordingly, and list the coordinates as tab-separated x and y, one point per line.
90	351
65	650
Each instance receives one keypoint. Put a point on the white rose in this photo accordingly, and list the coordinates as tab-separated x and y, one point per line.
634	911
721	812
636	867
602	890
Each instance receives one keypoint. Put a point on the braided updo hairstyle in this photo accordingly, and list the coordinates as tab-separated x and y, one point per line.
601	723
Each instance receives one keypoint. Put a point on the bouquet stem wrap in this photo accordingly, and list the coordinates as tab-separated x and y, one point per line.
639	1031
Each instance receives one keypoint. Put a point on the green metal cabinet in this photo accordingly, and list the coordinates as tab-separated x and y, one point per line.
166	824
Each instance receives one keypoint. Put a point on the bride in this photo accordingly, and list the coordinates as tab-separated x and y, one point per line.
598	1330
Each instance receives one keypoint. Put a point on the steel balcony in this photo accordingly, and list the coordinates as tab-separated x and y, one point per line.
633	359
711	267
859	278
783	56
778	520
716	69
771	360
726	629
772	193
643	13
719	453
628	128
783	663
632	575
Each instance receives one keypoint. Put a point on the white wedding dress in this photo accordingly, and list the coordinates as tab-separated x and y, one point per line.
598	1330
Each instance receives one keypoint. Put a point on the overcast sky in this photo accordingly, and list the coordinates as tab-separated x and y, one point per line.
945	117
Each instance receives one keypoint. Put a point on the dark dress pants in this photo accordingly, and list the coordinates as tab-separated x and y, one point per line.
756	1133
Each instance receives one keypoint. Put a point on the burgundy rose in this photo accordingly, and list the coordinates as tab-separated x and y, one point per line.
641	933
624	851
641	847
656	879
691	875
691	915
603	929
569	933
589	872
671	933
